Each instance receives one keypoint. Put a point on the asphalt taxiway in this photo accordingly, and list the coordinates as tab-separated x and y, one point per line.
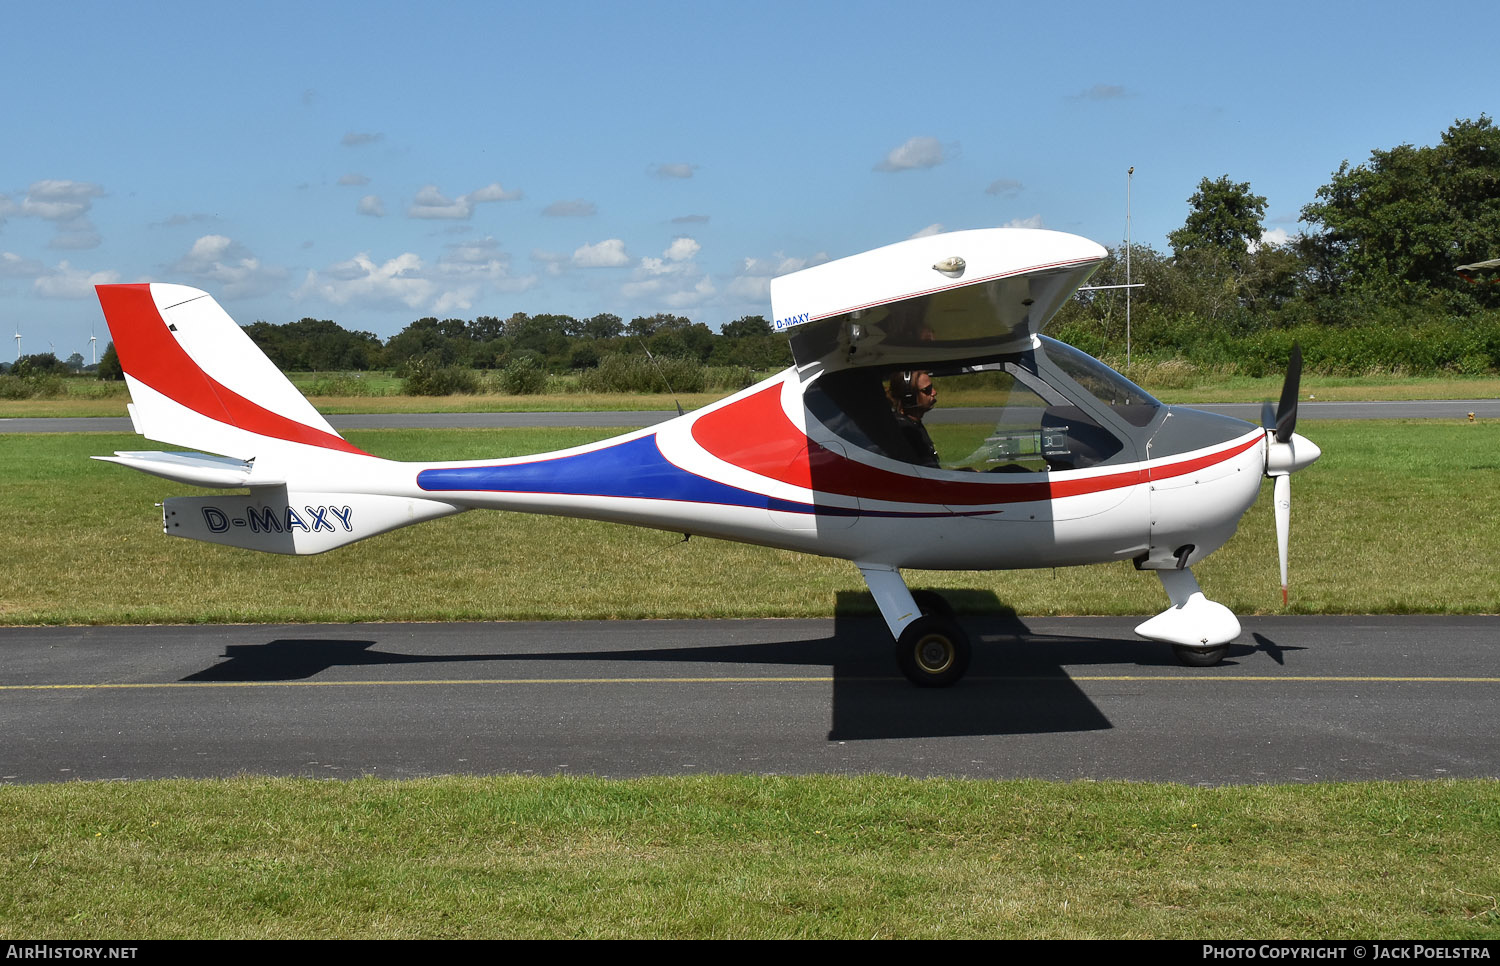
1299	699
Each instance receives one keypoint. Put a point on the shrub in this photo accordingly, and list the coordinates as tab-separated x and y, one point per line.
343	384
425	377
631	373
523	377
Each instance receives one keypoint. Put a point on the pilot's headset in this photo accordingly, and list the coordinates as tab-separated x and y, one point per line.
904	388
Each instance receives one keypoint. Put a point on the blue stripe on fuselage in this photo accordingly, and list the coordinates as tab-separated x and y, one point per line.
634	469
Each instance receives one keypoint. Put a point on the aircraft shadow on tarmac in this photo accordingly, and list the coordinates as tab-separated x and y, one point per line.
1018	682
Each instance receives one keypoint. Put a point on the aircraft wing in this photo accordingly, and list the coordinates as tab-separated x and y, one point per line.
960	294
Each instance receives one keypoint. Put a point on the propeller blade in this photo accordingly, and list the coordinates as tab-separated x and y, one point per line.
1286	412
1283	497
1267	415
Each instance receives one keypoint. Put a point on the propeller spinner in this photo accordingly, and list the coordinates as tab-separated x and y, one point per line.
1286	453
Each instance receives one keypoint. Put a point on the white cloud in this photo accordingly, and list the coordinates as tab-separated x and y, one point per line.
64	203
14	266
67	282
1273	236
677	170
682	249
676	260
609	253
701	292
60	200
686	293
481	261
674	280
753	282
399	280
1004	187
432	203
354	179
491	192
571	209
371	205
1035	221
936	228
553	263
918	152
228	268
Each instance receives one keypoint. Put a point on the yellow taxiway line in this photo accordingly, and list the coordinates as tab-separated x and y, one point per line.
801	679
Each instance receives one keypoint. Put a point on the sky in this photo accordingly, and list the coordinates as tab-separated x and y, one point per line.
375	163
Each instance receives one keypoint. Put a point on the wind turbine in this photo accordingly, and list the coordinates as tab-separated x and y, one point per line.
18	343
93	345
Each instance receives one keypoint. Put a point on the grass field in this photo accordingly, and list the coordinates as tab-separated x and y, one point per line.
1398	517
85	397
729	857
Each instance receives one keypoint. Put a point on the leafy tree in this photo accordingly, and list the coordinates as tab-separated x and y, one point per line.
75	362
1224	223
603	326
1397	226
109	365
42	363
745	327
441	344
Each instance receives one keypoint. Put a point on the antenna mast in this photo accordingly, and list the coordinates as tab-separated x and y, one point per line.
1129	177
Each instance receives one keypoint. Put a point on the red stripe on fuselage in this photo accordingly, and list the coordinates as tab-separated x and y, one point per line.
755	434
149	353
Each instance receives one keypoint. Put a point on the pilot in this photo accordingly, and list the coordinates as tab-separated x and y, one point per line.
912	396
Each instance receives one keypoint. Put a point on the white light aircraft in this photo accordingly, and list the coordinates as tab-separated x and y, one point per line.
1079	466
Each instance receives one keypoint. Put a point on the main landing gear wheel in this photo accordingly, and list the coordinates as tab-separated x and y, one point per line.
1199	656
933	652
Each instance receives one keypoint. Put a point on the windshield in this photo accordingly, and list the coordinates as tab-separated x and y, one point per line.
1127	400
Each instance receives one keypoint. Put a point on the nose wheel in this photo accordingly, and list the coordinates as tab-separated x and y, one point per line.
1199	656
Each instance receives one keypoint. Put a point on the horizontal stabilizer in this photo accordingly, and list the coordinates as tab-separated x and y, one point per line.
274	520
195	469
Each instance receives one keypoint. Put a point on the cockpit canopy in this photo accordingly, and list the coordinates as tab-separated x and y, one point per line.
927	300
965	309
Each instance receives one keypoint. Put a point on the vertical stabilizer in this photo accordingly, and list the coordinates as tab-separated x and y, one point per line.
196	379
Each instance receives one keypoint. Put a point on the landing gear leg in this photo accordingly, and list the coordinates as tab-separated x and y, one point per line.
1198	629
932	650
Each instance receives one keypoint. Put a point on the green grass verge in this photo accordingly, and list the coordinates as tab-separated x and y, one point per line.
1398	517
727	857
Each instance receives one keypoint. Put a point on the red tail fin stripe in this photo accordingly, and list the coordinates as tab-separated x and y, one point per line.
150	354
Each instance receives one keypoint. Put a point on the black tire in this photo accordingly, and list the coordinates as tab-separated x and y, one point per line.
932	604
1199	656
933	652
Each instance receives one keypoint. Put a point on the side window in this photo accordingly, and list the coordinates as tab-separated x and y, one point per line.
1035	429
998	418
